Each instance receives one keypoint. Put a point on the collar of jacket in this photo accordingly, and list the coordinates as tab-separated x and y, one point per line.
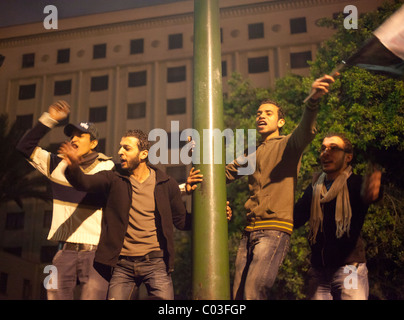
89	161
160	175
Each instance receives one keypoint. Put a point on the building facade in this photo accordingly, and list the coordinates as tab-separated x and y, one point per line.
134	69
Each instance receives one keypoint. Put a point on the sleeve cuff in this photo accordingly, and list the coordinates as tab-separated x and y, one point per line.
47	120
182	189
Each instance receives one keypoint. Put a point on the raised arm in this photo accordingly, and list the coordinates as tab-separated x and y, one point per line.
370	191
306	129
94	183
29	142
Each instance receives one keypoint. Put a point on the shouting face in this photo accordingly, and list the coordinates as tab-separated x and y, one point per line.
82	142
129	153
333	157
267	121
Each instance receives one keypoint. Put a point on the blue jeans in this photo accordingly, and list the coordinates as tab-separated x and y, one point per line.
129	275
75	267
344	283
259	257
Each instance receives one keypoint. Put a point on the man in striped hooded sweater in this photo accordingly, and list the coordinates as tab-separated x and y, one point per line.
76	220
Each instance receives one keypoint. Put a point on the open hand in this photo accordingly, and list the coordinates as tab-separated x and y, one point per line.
59	110
192	180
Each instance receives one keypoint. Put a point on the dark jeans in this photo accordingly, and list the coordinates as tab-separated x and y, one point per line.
75	267
258	259
129	274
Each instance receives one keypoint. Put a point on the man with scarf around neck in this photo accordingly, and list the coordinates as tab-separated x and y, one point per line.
76	219
335	206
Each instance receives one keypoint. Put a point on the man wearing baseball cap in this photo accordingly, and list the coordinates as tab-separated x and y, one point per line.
76	219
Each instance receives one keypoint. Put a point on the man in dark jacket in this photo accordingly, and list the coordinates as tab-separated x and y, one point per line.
335	206
142	205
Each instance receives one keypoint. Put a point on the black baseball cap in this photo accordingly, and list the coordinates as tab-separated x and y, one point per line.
86	127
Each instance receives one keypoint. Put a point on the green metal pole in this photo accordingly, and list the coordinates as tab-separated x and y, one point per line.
210	271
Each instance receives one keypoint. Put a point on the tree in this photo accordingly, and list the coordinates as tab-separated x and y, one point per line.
369	108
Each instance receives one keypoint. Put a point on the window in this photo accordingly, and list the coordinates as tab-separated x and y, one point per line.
62	87
101	145
98	114
176	74
26	289
47	219
99	51
28	60
136	110
256	31
99	83
15	220
299	59
137	79
47	253
3	282
298	25
27	92
224	68
176	106
136	46
24	122
175	41
16	251
63	56
258	65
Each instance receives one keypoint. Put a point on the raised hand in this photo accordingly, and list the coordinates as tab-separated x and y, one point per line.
59	110
371	184
192	180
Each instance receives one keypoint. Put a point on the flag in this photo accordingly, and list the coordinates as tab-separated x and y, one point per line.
384	52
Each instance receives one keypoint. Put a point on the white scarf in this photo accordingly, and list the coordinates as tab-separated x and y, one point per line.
343	211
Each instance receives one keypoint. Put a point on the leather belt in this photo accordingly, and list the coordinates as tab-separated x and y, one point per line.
77	246
146	257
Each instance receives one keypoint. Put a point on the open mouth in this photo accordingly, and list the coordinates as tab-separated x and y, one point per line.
261	123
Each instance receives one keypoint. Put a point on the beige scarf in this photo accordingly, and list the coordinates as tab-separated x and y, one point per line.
343	211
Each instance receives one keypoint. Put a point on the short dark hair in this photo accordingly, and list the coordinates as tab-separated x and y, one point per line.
281	112
143	140
348	148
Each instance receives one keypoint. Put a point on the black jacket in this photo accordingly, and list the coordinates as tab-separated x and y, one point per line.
116	188
328	250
